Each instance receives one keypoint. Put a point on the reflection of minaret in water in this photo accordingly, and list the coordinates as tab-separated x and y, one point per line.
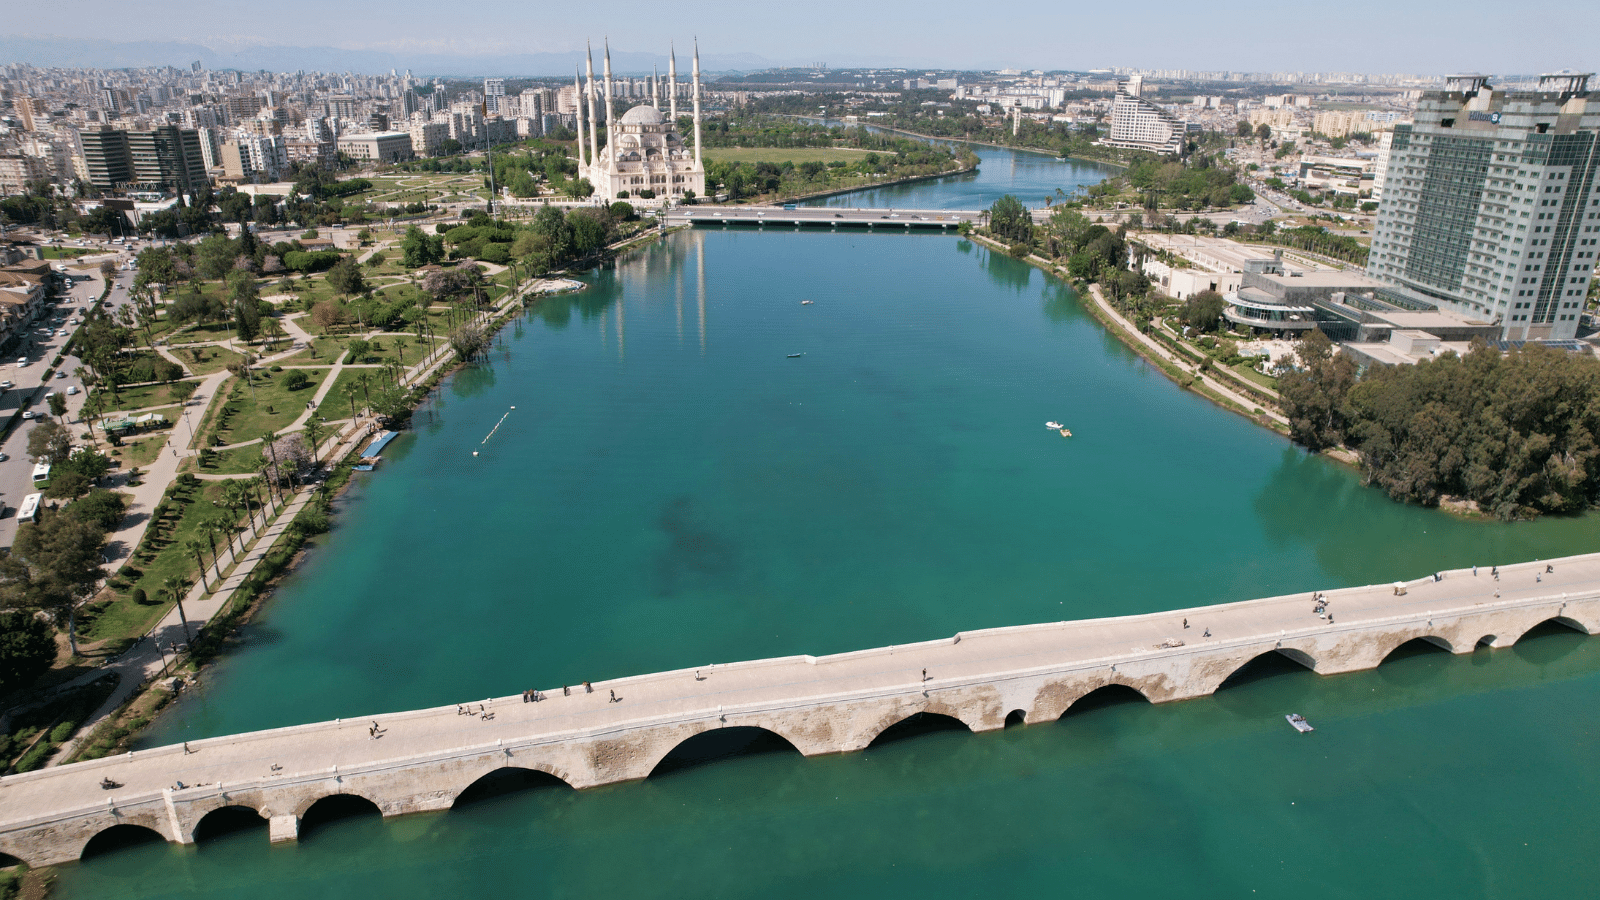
700	286
678	271
605	324
622	328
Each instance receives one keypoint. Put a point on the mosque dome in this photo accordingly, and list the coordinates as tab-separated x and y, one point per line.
642	115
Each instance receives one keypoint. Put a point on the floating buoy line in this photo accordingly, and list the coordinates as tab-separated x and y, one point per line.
494	429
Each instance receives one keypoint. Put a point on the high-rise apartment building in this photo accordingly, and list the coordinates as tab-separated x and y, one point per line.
1138	124
165	158
493	90
105	157
1491	204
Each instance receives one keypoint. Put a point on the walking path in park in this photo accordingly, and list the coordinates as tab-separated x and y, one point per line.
146	659
1166	354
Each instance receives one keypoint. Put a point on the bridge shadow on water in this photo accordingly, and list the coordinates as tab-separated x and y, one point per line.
720	744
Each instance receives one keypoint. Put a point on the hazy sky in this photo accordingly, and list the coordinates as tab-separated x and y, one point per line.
1409	36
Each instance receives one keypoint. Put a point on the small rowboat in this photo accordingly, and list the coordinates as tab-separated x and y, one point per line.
1066	432
1299	722
796	355
807	302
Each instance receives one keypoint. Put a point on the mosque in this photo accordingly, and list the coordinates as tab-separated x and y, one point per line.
644	154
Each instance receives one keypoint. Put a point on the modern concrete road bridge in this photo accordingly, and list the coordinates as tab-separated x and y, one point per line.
822	217
425	759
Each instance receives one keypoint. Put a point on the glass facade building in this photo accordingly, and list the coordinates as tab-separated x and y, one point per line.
1491	204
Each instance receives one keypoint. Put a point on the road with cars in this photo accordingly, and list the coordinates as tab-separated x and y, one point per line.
24	382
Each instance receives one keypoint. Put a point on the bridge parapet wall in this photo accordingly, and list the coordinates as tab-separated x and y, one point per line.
839	703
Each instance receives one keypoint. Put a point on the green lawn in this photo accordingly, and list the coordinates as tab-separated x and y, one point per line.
62	252
142	397
795	155
385	345
250	412
206	360
1250	374
236	461
122	618
141	452
336	405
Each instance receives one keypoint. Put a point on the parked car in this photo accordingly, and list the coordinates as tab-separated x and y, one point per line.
72	390
4	456
61	374
27	414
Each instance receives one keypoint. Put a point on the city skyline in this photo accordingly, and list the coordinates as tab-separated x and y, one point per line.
1368	38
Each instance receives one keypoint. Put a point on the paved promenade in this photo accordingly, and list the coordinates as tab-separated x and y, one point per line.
622	729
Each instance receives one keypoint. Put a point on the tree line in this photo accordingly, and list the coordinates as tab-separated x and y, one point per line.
1516	432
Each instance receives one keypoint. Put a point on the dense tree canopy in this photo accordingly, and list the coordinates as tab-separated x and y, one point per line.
1517	432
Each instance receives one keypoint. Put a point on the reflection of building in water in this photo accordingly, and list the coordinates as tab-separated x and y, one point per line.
644	155
700	285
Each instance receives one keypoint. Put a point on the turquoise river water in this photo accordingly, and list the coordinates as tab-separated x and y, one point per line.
673	490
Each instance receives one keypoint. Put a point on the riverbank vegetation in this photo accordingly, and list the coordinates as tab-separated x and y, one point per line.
1092	252
1517	432
762	157
1151	182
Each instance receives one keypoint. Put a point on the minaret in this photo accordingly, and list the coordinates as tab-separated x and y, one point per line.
611	119
594	142
577	101
697	164
655	88
672	86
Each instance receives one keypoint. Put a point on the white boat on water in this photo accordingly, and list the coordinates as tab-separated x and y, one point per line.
1054	426
1299	722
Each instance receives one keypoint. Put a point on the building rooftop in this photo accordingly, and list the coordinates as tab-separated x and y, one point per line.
1210	253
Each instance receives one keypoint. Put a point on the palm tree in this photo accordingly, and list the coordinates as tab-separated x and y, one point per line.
272	453
350	390
312	429
199	551
234	496
175	586
210	530
364	379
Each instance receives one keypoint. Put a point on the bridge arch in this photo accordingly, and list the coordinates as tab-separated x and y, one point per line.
716	744
226	820
503	780
1054	698
1563	621
1113	693
1277	661
121	836
1425	643
916	724
8	861
335	807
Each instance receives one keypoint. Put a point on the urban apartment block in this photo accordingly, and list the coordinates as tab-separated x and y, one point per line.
1491	205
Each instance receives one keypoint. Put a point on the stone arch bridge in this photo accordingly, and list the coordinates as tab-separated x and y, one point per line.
425	759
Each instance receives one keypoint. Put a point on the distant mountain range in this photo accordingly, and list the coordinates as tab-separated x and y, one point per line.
51	50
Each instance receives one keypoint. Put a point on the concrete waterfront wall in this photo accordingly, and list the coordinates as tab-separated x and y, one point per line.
823	716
